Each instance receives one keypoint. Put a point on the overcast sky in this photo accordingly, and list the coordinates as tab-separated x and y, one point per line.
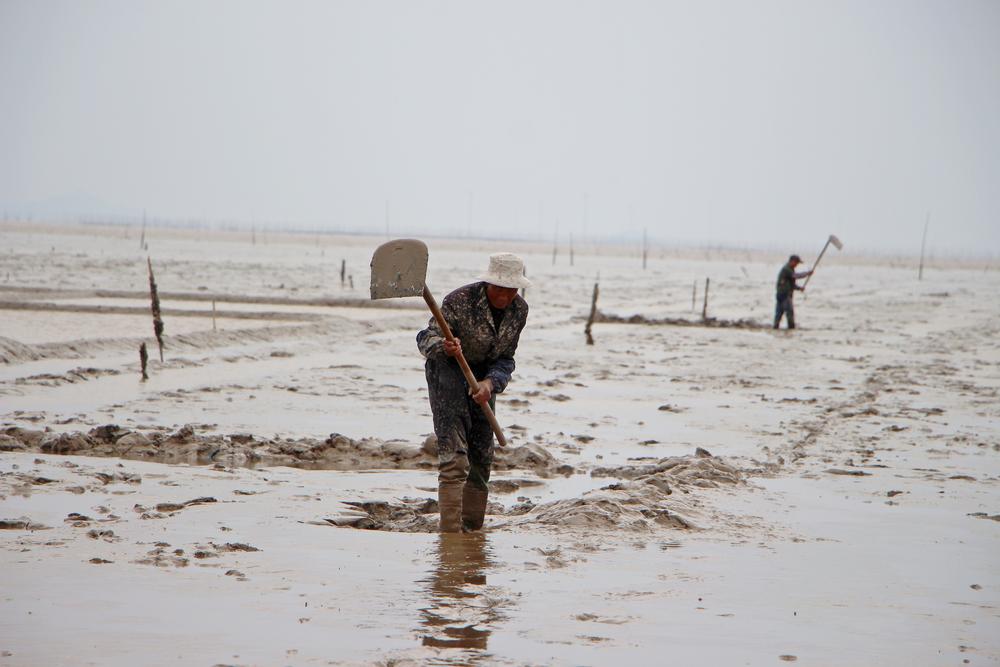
766	123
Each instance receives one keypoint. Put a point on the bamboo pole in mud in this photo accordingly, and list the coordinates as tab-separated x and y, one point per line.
593	314
704	307
143	361
155	306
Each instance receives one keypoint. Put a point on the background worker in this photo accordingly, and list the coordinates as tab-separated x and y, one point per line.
785	289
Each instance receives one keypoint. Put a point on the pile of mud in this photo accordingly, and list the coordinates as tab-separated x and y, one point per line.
711	322
336	452
654	496
701	470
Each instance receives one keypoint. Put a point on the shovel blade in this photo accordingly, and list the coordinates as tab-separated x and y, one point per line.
836	242
399	268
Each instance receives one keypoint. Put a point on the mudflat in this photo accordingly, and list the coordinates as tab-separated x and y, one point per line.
684	490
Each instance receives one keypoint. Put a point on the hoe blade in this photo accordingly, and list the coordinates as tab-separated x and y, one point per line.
399	268
836	242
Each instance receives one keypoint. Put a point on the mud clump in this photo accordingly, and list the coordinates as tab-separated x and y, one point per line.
409	516
21	523
10	444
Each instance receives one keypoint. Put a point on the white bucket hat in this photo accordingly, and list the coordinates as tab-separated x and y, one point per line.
506	270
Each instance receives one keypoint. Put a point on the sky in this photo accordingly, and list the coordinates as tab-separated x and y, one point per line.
766	124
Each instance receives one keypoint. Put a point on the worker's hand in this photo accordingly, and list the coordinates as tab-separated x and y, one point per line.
452	347
485	392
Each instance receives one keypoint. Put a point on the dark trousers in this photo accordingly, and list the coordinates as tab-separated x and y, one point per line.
784	307
461	427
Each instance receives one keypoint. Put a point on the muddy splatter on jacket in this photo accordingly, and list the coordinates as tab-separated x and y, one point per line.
490	353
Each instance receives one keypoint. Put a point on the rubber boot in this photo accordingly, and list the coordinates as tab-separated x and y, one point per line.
473	507
451	478
450	506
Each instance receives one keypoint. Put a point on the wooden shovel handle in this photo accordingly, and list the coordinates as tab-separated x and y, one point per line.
469	377
815	264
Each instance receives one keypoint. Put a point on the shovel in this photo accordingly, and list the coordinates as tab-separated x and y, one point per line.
398	269
836	244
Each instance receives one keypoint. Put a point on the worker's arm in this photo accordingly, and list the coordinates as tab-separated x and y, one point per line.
431	341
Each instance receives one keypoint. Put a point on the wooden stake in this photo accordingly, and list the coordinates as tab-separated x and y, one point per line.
213	315
155	306
704	307
343	272
593	314
694	295
143	361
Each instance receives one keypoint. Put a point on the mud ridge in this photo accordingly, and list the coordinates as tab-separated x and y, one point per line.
336	452
172	312
711	322
13	352
33	293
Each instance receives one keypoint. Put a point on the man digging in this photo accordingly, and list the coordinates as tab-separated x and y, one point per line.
786	289
486	318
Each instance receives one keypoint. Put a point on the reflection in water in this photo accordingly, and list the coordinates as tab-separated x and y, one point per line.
460	610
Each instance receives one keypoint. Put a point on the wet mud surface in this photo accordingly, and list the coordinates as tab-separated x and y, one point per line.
801	495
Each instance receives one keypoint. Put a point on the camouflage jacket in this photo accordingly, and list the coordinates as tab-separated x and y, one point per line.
490	353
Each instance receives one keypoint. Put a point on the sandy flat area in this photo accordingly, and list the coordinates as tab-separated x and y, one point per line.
689	493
